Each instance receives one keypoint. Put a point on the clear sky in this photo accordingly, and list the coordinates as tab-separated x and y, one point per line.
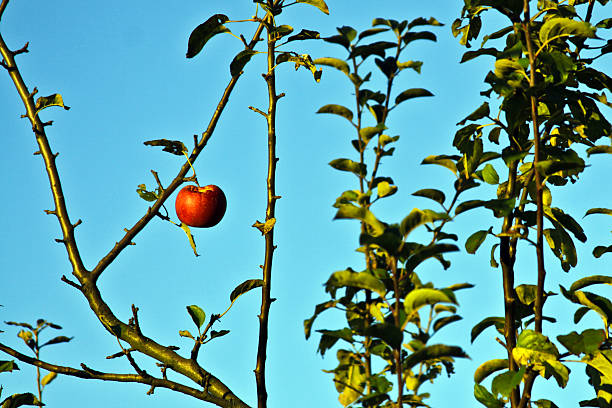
121	67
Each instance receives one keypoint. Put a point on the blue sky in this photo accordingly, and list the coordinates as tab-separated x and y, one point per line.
121	68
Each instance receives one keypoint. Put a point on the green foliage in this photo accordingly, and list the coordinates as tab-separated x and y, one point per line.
390	314
550	105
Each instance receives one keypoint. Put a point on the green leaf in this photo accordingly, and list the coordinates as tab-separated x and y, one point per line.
533	348
417	218
600	250
420	35
479	113
443	321
411	93
418	298
320	4
359	169
57	340
46	380
432	352
337	110
186	333
185	228
599	211
368	133
8	366
504	383
498	322
389	333
432	194
363	214
591	280
384	189
486	398
475	240
566	221
320	308
526	294
489	367
197	315
562	246
599	150
415	65
18	400
429	251
489	174
240	60
204	32
544	403
244	287
350	278
565	27
175	147
371	31
557	370
441	160
147	195
585	343
47	101
333	62
305	35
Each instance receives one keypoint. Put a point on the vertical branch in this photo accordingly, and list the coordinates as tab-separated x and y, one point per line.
260	369
397	353
539	302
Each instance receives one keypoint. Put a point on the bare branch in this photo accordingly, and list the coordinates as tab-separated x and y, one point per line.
90	374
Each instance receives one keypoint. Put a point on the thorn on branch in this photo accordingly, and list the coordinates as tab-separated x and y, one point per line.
22	50
159	184
163	368
60	241
76	224
55	155
277	197
34	91
244	41
23	116
134	320
151	390
71	283
50	212
281	95
254	109
49	123
261	266
36	152
195	140
90	370
132	243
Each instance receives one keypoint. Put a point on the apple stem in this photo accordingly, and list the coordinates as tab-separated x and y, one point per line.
194	172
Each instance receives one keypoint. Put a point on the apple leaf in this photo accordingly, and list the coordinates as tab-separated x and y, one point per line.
171	146
47	101
204	32
148	195
17	400
197	315
186	333
320	4
56	340
245	287
240	60
185	228
8	366
220	333
48	378
265	227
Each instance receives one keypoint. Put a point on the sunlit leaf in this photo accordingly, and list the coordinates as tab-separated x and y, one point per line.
333	62
320	4
337	110
489	367
46	380
47	101
245	287
197	315
362	280
185	228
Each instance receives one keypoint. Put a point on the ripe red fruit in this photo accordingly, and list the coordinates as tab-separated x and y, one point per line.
201	207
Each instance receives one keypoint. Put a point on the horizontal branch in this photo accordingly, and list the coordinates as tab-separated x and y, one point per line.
89	374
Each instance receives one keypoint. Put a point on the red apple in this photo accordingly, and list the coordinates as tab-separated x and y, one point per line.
201	207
